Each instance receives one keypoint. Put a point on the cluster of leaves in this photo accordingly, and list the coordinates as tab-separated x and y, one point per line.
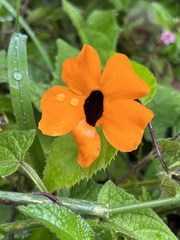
56	32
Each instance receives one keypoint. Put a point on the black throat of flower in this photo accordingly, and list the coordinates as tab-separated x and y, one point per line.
93	107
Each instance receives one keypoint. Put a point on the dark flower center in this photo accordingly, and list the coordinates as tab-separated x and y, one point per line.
93	107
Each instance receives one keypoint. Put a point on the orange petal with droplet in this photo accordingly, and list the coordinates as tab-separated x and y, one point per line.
61	111
88	141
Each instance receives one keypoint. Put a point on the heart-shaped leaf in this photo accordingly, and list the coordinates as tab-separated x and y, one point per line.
141	224
13	146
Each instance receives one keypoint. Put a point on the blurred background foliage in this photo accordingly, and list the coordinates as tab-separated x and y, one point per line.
134	27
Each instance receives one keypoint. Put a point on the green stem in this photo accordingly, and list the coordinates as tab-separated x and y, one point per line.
33	175
19	225
143	205
29	31
140	183
21	97
87	207
18	5
77	205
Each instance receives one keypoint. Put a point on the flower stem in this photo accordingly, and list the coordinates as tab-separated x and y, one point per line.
143	205
157	148
33	175
159	154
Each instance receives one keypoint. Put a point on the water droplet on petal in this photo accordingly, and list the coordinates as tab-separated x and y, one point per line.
18	76
61	97
74	102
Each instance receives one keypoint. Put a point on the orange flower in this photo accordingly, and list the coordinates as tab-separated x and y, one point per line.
95	98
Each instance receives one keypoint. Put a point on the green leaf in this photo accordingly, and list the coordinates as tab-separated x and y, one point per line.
104	22
166	108
164	17
63	170
5	212
139	224
5	104
100	29
3	67
162	69
168	147
66	224
168	185
2	235
171	153
144	73
21	97
42	233
120	5
17	142
19	82
37	91
101	234
9	162
102	32
86	190
13	146
75	16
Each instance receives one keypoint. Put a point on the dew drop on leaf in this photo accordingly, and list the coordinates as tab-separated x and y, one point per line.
18	76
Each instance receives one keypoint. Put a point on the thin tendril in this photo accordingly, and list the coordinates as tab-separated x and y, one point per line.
50	196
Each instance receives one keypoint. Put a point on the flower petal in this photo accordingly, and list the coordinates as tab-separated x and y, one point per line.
82	73
119	81
88	141
61	111
124	122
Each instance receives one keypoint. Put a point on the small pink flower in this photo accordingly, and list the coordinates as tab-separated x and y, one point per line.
167	37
